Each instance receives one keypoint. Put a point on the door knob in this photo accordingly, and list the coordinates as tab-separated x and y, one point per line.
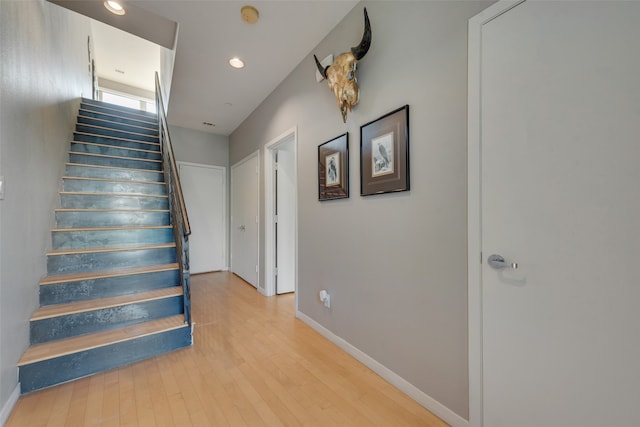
498	262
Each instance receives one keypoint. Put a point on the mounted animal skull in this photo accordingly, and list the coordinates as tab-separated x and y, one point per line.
341	75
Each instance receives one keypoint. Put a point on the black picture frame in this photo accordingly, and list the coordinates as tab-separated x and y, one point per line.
384	154
333	168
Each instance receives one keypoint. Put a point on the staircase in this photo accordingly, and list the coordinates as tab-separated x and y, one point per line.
113	294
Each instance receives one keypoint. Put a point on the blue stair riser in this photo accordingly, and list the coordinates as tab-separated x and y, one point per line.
116	142
84	171
105	106
108	318
118	117
109	150
115	133
82	290
55	371
99	261
90	159
81	239
101	201
140	128
82	219
114	187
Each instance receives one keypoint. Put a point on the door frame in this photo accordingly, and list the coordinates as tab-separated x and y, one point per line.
255	154
474	204
270	149
225	217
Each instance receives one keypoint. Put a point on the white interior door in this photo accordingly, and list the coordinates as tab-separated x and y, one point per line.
286	219
204	190
559	179
244	219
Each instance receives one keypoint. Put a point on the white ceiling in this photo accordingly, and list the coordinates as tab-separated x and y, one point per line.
205	88
124	58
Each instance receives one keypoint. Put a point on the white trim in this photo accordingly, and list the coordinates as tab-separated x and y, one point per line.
446	414
225	201
255	154
269	149
200	165
9	404
474	201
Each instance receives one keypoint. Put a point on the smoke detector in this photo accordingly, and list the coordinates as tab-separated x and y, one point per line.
249	14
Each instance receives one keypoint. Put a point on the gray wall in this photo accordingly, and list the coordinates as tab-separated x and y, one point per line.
395	264
193	146
44	70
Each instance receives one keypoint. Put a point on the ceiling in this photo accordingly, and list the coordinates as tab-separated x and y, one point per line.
205	87
124	58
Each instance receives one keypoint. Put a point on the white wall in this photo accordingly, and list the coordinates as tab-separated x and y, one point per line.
395	264
44	70
167	61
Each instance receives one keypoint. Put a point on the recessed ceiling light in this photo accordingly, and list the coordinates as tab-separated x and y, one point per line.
114	7
236	62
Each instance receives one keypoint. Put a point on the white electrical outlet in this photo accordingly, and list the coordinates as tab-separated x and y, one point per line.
1	187
325	298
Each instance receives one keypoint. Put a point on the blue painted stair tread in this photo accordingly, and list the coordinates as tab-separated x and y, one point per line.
113	150
80	218
116	142
82	200
103	185
115	161
84	238
62	289
88	128
79	260
115	116
49	364
77	318
137	128
112	172
116	109
66	288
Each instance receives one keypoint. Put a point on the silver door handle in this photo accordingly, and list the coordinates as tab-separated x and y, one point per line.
498	262
241	228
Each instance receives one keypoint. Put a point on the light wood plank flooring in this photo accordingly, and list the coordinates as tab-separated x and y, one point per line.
252	364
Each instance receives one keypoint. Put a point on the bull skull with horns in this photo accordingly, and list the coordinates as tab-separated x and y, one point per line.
341	75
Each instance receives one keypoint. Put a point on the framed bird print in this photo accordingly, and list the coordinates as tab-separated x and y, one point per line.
333	168
384	154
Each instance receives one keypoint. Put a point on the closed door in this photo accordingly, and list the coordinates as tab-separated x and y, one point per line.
244	219
286	219
560	186
204	190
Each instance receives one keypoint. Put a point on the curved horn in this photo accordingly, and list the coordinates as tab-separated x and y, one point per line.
323	70
361	50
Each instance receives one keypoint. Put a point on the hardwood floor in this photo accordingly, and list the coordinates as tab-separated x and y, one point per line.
253	364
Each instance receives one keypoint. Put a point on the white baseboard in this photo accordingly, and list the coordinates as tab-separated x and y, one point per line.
446	414
8	406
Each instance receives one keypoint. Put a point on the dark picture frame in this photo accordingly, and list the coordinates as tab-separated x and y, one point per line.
333	168
384	154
